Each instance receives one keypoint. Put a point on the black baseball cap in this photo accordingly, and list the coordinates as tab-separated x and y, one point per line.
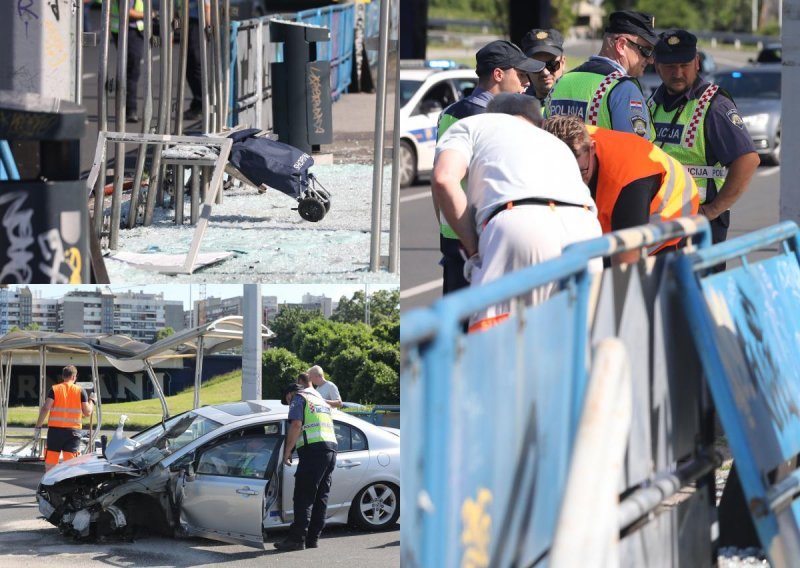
634	23
290	388
676	46
502	54
543	41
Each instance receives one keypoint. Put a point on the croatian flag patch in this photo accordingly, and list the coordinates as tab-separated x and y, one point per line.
637	105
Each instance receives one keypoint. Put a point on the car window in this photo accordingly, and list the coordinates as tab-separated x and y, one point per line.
750	85
770	54
464	87
239	457
438	97
407	90
349	438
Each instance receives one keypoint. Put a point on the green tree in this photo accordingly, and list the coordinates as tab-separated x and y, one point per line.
165	332
33	326
344	368
383	304
14	328
672	14
388	330
377	383
279	367
287	322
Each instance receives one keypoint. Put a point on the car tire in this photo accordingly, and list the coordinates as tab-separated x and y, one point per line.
408	164
376	507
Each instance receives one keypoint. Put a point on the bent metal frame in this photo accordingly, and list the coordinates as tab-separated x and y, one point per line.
162	140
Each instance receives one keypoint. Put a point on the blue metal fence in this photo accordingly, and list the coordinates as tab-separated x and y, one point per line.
746	324
486	450
340	20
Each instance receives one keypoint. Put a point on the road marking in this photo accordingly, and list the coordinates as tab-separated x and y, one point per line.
407	198
420	289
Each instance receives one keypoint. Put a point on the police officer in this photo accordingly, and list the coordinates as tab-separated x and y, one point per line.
546	46
65	403
502	67
311	430
697	123
603	91
135	52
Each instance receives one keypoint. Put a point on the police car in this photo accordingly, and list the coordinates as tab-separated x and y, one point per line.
426	88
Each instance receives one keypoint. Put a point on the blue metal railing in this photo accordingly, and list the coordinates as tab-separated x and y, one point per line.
538	360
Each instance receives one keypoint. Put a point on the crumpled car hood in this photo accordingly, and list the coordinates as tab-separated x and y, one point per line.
89	464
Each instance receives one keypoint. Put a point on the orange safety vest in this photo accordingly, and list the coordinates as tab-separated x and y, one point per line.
626	157
66	411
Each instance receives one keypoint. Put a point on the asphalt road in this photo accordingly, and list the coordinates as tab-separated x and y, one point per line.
420	282
26	540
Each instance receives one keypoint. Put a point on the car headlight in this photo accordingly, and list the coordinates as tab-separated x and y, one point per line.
756	121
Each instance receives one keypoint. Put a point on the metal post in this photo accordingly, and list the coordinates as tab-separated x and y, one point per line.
195	209
226	58
259	72
180	190
78	13
102	114
119	152
394	212
252	344
157	387
99	405
182	68
42	374
198	371
3	405
380	119
790	133
147	116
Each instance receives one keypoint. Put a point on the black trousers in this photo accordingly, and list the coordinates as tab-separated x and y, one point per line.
312	483
194	75
133	68
452	265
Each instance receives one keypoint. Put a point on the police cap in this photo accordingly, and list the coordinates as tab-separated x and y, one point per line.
290	388
502	54
543	41
634	23
676	46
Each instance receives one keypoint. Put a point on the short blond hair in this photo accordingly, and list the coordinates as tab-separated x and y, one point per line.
316	371
570	129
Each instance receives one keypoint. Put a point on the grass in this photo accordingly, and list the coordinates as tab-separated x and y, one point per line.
144	413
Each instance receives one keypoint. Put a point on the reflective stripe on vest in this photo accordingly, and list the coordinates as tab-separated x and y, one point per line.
317	421
683	138
626	157
66	411
583	94
138	24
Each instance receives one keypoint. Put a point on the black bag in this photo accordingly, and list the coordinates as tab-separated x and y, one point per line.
264	161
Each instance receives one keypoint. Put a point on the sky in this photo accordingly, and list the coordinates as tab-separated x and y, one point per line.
292	293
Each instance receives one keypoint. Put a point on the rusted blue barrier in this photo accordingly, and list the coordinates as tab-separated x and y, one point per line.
487	445
340	20
746	324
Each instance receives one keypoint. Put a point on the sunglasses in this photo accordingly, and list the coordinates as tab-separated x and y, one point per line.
646	52
553	65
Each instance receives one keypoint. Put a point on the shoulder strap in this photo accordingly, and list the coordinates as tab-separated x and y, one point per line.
690	137
593	111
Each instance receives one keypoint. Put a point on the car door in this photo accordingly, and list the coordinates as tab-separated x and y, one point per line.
352	462
424	119
227	494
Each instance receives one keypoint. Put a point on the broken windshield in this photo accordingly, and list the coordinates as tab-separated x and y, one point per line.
159	441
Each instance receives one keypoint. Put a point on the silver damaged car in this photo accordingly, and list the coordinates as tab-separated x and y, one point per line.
216	472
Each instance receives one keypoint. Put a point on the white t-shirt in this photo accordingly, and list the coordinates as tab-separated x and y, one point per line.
509	159
329	391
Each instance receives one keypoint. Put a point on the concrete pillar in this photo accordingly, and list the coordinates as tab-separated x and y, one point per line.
252	343
789	208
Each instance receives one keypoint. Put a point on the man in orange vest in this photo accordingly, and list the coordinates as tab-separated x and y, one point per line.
66	402
632	181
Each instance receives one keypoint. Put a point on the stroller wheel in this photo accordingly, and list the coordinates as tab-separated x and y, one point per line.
311	210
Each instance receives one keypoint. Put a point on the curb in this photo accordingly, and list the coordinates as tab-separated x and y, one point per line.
22	465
